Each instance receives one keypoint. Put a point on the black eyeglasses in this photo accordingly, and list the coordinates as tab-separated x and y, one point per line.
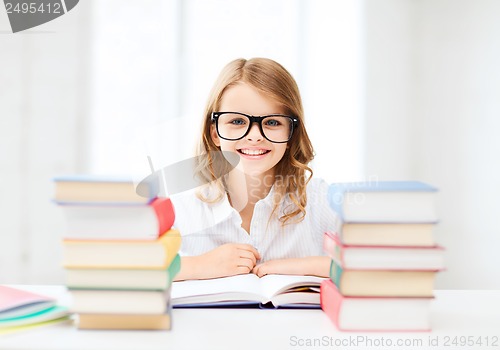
234	126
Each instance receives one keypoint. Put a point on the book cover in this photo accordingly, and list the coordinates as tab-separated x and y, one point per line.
31	326
384	202
364	314
17	303
49	314
20	309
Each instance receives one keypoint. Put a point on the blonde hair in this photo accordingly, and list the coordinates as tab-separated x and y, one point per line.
292	172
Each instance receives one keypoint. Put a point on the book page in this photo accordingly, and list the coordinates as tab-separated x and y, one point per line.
246	287
297	299
234	288
273	285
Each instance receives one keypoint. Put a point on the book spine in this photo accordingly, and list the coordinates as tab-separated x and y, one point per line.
333	247
336	273
171	242
173	269
331	301
165	213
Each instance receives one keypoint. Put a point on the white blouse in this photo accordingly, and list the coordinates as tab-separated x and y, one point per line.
205	226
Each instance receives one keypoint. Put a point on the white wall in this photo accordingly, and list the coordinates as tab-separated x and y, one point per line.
432	113
42	114
389	89
429	107
458	118
331	84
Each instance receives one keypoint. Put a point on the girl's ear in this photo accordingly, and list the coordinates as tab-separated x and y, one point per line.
213	134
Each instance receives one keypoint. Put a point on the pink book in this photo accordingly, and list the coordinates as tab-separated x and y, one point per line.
363	314
15	302
369	257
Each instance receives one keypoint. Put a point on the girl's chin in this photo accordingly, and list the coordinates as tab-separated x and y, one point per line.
254	171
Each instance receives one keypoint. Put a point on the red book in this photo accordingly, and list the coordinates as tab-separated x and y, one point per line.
118	221
360	257
374	313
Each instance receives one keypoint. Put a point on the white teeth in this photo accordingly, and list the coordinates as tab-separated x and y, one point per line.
253	152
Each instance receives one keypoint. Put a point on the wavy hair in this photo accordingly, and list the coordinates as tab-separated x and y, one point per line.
292	172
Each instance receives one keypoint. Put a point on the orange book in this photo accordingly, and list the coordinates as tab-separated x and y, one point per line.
156	254
127	321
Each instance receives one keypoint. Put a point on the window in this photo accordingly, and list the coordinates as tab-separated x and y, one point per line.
154	63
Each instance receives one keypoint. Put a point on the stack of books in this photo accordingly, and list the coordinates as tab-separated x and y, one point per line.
384	256
120	252
21	309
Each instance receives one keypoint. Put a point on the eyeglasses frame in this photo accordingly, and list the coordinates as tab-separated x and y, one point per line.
254	119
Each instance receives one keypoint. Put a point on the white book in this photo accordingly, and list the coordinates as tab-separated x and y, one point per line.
384	202
383	257
119	301
249	289
118	221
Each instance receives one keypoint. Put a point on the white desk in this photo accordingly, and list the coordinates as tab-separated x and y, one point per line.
455	313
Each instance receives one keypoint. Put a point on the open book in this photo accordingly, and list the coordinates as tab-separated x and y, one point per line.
270	291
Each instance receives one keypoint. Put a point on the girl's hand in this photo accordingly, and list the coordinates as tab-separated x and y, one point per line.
227	260
313	265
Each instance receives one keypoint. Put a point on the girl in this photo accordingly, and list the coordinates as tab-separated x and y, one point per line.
266	216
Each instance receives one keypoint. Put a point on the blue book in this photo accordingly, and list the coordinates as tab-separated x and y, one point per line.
384	202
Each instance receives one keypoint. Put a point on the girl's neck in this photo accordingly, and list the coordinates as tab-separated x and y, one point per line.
246	190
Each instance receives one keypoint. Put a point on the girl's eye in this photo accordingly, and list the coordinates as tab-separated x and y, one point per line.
239	121
273	122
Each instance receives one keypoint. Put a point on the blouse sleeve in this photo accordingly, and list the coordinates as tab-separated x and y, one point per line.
324	218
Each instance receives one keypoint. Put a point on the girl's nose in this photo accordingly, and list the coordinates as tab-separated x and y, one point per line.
254	133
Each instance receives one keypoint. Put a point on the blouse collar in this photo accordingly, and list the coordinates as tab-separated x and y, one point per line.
222	209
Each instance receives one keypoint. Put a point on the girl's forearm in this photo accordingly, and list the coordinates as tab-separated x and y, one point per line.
312	265
193	268
189	269
317	266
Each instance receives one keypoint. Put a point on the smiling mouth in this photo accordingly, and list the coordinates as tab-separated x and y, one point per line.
253	152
